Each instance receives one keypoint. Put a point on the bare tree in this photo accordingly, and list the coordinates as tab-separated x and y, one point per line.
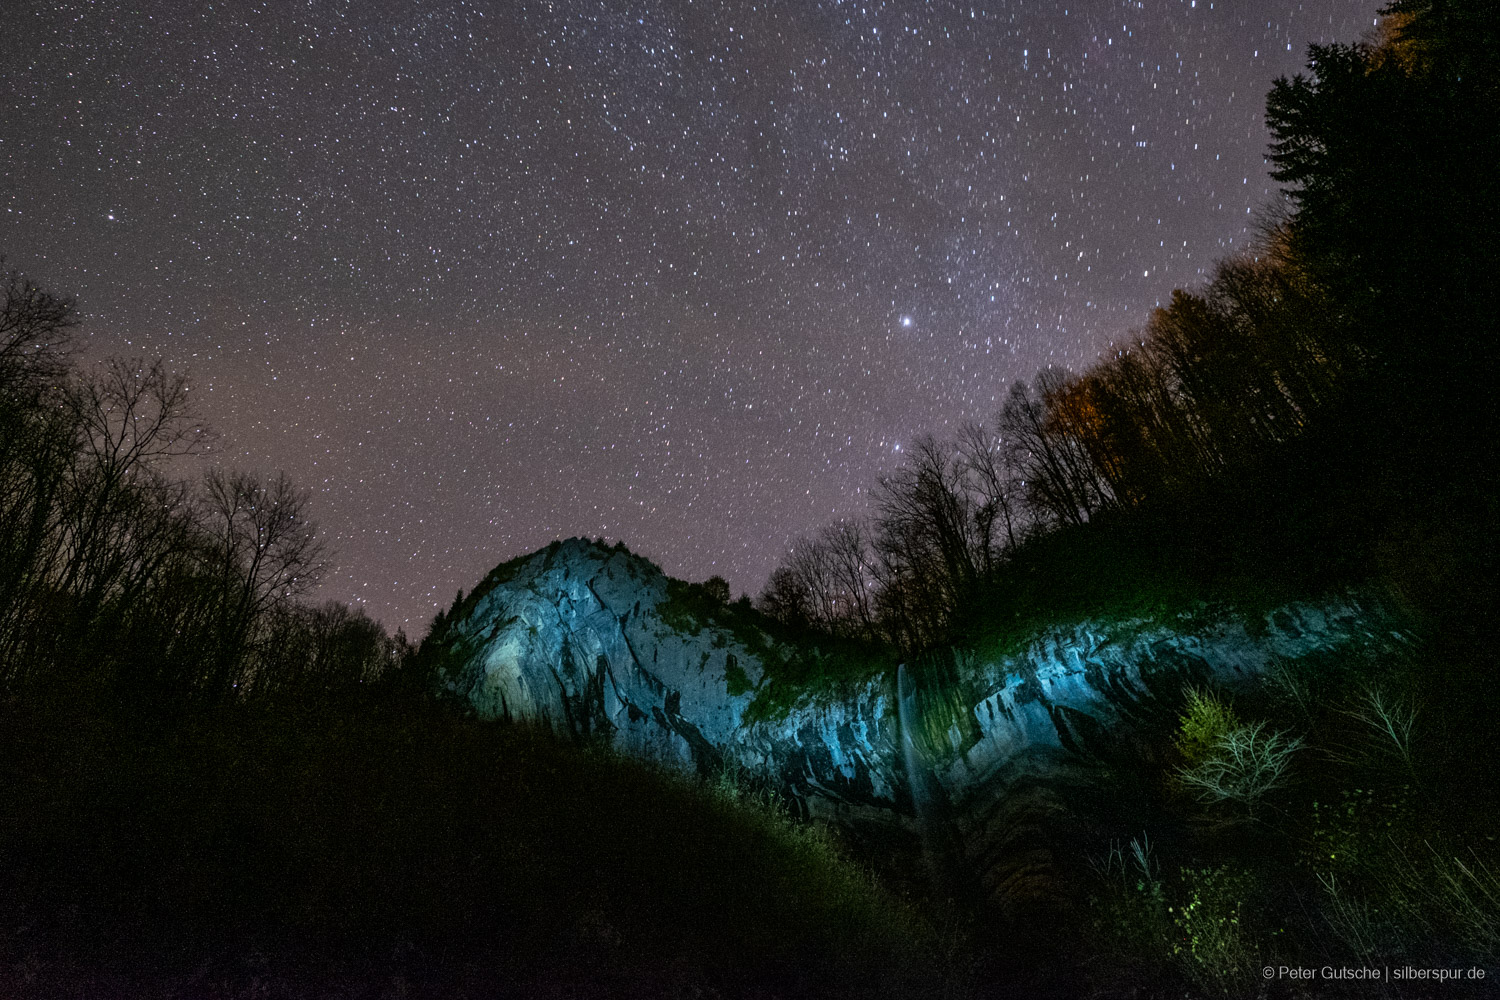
109	564
265	553
36	444
987	468
312	651
803	590
35	334
928	542
1051	488
36	448
131	418
786	598
825	582
87	516
850	570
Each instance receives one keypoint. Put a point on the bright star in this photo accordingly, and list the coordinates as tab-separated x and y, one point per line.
906	321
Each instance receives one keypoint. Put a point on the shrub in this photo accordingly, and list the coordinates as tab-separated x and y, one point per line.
1242	766
1399	901
1348	834
1131	916
736	681
1190	930
1389	723
1452	897
1214	946
1207	721
1353	920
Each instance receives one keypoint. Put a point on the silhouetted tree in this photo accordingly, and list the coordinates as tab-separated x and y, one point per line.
35	335
931	546
1061	487
849	570
987	470
718	588
786	598
314	652
110	566
265	553
824	583
1387	152
36	445
131	418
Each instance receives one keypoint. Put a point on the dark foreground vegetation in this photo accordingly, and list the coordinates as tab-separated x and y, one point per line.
1330	821
376	847
211	788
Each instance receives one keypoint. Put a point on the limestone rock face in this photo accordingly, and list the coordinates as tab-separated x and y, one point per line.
592	641
572	636
1035	706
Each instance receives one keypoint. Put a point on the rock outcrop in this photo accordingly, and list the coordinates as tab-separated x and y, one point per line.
575	636
596	641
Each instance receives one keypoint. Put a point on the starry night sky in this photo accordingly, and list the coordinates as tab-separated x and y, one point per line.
685	274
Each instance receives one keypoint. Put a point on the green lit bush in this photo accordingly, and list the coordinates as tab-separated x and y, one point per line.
1206	721
1193	929
1213	945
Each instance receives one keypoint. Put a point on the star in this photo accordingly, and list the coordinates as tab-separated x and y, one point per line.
522	272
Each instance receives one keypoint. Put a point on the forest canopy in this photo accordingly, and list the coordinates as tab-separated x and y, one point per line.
1356	334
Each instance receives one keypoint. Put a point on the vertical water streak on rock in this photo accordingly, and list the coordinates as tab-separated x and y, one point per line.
905	711
918	775
929	801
